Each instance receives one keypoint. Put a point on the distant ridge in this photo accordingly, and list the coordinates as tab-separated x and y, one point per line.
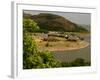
53	22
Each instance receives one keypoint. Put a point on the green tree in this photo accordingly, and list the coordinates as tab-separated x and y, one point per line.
29	49
34	61
29	45
49	60
30	25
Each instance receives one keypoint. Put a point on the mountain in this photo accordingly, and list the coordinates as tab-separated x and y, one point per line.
88	27
53	22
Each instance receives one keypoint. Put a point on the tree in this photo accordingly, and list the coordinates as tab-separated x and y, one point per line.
30	25
34	61
29	49
49	60
29	45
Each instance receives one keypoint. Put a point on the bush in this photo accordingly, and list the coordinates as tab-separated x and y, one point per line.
30	25
47	44
66	64
33	61
33	58
49	60
29	45
76	62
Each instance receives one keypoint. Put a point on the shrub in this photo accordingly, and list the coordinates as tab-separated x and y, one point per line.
33	58
47	44
30	25
49	60
76	62
66	64
29	45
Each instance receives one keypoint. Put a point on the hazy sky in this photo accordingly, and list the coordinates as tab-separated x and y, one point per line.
79	18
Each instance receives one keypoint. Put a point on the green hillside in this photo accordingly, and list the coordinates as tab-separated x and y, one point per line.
53	22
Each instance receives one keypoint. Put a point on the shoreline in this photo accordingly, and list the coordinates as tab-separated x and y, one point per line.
66	48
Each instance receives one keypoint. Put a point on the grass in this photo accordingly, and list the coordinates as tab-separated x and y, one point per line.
61	45
53	43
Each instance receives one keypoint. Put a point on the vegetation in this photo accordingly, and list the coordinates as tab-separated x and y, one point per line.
47	44
76	62
30	25
52	22
51	39
33	58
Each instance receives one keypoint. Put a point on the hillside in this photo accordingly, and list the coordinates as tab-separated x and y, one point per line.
53	22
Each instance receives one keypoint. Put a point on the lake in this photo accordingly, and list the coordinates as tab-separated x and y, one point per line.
70	55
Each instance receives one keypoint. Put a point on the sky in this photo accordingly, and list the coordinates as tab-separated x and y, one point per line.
78	18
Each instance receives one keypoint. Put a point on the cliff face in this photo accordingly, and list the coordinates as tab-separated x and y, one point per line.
53	22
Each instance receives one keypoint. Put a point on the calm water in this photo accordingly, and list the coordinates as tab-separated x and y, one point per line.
68	56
